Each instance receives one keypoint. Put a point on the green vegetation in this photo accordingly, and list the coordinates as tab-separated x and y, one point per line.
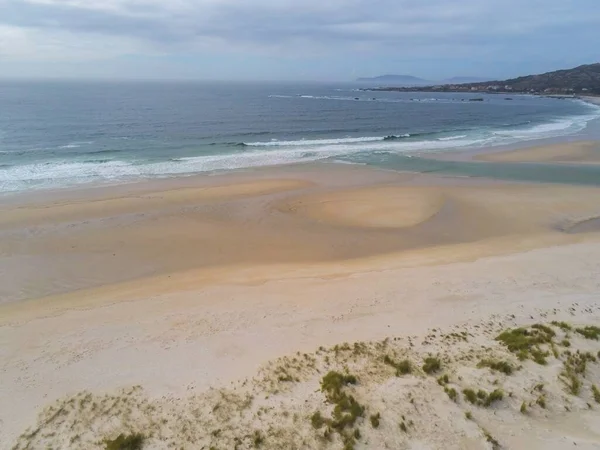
589	332
317	420
432	365
500	366
470	396
257	439
443	380
333	382
375	420
482	398
451	393
403	367
541	401
565	343
346	411
575	366
468	415
539	356
596	393
562	325
403	427
573	383
578	361
491	439
523	408
525	342
495	396
126	442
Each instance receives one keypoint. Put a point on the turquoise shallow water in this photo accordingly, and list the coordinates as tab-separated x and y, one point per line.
547	173
64	134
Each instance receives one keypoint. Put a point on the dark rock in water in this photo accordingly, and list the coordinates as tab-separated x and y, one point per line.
356	98
508	98
478	99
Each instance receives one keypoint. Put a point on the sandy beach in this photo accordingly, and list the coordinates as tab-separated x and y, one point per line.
204	312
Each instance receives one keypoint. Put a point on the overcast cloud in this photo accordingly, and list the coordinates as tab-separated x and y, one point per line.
284	39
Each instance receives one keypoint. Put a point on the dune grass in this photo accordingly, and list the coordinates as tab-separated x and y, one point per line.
133	441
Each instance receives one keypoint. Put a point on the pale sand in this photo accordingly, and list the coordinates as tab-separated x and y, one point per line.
572	153
201	285
593	100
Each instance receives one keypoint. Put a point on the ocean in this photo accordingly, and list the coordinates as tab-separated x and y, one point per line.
59	134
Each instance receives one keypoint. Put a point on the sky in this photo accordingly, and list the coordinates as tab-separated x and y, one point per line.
294	39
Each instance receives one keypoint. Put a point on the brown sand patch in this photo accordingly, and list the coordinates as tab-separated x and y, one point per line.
575	153
378	207
86	209
226	232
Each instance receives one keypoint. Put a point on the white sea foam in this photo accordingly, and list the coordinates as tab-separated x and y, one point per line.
557	127
67	173
451	138
76	144
269	153
309	142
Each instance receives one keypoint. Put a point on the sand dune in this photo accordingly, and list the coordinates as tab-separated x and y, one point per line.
451	388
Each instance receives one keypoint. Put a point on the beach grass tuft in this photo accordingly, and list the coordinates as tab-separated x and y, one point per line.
432	365
589	332
500	366
125	442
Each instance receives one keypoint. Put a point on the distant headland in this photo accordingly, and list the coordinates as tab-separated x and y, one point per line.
409	80
581	80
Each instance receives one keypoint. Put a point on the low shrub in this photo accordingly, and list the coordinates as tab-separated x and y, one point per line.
500	366
403	367
589	332
562	325
375	420
432	365
596	393
451	393
126	442
470	395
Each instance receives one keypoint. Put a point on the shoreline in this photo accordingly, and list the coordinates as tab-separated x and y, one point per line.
456	154
570	152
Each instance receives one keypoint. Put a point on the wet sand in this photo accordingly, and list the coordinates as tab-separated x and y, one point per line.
572	153
191	283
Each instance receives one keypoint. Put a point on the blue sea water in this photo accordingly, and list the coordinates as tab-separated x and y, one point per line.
56	134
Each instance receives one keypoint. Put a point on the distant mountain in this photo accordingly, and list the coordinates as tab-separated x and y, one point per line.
581	80
409	80
395	79
578	80
459	80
